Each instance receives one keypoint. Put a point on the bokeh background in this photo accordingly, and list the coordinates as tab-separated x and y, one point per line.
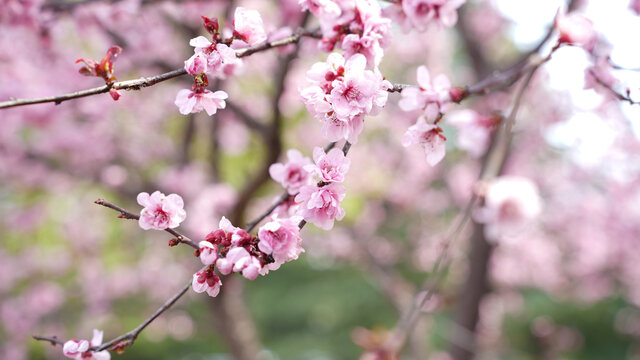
567	288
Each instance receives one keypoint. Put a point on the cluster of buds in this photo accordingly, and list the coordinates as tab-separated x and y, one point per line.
102	69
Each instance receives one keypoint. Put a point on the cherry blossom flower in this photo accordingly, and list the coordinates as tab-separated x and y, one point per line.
160	212
238	259
221	59
189	101
422	13
321	205
79	349
206	280
208	252
291	175
248	26
366	45
430	97
575	29
329	167
281	239
430	137
321	8
354	94
511	202
196	64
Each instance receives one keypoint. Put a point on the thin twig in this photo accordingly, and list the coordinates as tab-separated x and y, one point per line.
616	94
130	337
125	214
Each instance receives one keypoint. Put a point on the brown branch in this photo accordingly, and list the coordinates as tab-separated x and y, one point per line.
53	340
124	214
616	94
144	82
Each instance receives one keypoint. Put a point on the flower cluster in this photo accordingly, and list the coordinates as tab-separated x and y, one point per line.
317	201
79	349
230	249
357	27
217	58
342	93
161	212
421	14
432	99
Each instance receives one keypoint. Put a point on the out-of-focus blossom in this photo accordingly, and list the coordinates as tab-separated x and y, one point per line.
248	26
511	202
474	130
281	239
321	205
292	175
329	167
423	13
190	101
575	29
635	6
430	137
79	349
206	280
321	8
160	212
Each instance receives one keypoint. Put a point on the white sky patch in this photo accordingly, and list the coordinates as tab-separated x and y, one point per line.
586	135
614	21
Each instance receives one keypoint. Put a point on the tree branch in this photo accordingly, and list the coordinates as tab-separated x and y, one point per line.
124	214
144	82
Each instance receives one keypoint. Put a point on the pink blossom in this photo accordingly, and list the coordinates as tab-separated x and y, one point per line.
575	29
431	98
330	167
189	101
291	175
354	94
197	64
321	8
335	129
366	45
224	235
208	252
635	6
79	349
238	259
248	26
281	239
160	212
422	13
222	60
206	280
511	202
430	137
321	205
474	130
